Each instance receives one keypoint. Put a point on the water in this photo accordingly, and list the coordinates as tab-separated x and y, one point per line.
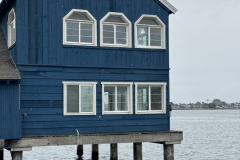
208	135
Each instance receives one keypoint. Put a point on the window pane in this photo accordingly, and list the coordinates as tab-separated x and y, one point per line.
149	21
108	34
72	32
142	34
155	36
109	98
79	16
86	98
86	33
114	19
156	106
73	98
12	33
122	99
121	34
156	98
143	98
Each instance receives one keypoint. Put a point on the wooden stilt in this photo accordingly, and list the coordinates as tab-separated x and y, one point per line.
80	151
95	152
1	153
168	152
137	151
114	151
1	149
17	155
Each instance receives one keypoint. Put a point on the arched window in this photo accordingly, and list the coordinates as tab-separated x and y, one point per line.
79	28
115	30
150	32
11	28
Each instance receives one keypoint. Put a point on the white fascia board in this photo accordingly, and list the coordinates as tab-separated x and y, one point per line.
169	6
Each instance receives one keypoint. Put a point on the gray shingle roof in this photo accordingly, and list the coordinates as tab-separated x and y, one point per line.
7	67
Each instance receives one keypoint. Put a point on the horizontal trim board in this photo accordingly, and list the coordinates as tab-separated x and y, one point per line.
56	118
19	65
98	123
61	131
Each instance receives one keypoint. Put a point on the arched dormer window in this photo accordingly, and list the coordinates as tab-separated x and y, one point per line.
150	32
11	28
79	28
115	30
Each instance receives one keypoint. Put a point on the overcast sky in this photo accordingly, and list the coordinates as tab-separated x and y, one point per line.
205	51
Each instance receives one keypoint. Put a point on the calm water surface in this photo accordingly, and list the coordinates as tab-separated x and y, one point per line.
208	135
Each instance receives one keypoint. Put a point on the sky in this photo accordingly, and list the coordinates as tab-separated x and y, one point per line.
205	51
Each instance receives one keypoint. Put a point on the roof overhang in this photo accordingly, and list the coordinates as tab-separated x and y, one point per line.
169	6
5	4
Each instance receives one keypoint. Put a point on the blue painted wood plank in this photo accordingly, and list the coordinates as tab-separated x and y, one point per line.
60	131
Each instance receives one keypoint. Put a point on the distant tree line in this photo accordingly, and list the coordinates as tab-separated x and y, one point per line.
215	104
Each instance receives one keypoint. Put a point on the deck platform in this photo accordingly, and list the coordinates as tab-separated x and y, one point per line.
167	138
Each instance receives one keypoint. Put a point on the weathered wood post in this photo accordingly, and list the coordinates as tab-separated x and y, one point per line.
137	151
17	155
80	150
114	151
168	151
95	151
1	149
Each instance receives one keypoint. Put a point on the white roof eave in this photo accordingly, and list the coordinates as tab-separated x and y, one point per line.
169	6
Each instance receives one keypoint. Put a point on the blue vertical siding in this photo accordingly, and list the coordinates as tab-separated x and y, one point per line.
10	118
40	29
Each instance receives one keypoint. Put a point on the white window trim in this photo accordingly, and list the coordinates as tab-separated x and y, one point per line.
10	43
65	83
94	26
130	108
163	30
163	111
127	23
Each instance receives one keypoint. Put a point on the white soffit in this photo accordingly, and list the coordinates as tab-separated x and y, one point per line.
169	6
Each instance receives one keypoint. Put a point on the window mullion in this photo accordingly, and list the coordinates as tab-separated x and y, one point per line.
149	98
149	36
80	101
128	88
79	39
116	98
115	34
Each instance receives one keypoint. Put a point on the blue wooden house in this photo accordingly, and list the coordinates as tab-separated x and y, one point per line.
87	66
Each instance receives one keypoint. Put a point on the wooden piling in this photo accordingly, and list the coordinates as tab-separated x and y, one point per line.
95	152
1	153
137	151
168	151
17	155
80	151
1	149
114	151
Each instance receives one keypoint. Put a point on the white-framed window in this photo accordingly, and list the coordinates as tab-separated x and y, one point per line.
115	30
117	97
79	98
11	28
150	32
150	98
79	28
